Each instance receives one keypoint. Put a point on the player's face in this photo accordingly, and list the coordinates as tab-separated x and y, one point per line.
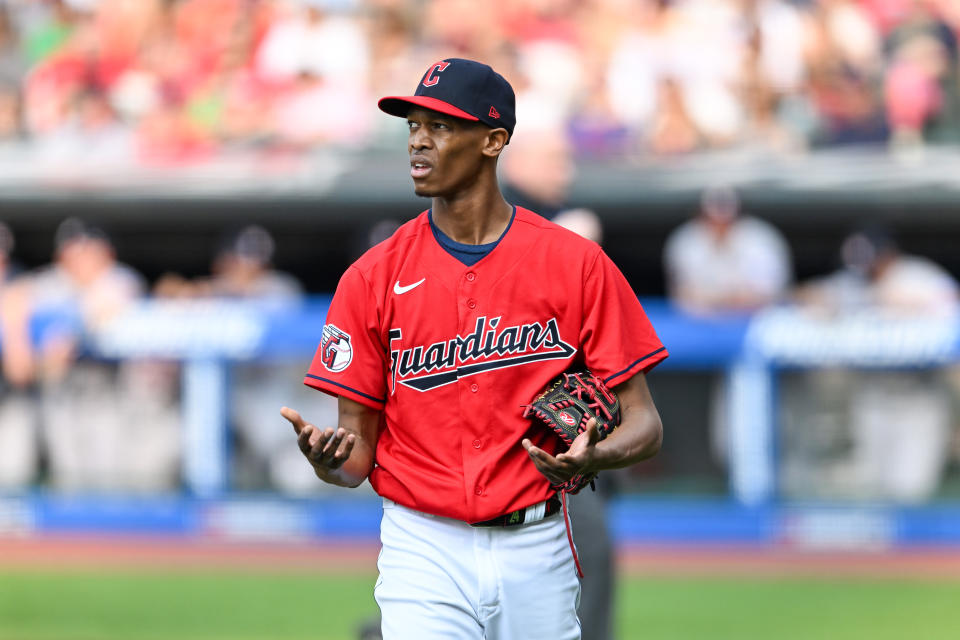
446	153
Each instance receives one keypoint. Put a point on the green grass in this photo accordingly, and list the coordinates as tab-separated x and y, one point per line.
788	609
162	606
241	606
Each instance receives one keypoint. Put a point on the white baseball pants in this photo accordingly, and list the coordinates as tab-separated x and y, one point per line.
443	579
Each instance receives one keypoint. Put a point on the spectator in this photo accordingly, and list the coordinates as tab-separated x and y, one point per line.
899	422
6	251
595	129
91	135
725	261
538	170
242	272
13	66
638	63
11	128
83	288
721	262
777	115
672	131
324	61
18	426
306	38
843	61
877	275
583	222
87	407
922	92
314	111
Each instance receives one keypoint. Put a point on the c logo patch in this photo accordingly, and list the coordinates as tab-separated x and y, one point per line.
431	78
335	350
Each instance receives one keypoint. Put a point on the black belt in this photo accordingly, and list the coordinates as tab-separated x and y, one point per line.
533	513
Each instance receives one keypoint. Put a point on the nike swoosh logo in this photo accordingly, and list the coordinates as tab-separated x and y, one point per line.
397	289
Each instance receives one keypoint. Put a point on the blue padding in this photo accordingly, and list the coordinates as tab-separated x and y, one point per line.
929	525
295	334
689	521
349	518
114	514
696	341
633	520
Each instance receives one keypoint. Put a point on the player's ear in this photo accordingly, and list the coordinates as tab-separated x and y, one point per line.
494	142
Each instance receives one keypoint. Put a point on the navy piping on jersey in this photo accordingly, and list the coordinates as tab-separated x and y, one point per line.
633	364
351	389
468	254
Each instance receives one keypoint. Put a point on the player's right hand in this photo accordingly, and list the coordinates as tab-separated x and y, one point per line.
324	448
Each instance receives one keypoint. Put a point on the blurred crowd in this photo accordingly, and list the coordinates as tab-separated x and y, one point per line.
74	421
175	81
843	431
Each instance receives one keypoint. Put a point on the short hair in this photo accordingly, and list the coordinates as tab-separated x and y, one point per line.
6	240
73	229
252	242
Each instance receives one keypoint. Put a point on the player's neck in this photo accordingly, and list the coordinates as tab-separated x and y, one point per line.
477	218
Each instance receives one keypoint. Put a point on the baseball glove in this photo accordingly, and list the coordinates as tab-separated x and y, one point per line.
567	404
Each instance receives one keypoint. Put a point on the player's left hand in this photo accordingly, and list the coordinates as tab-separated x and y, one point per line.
581	457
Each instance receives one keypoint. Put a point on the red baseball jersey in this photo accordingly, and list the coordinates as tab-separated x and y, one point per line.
451	353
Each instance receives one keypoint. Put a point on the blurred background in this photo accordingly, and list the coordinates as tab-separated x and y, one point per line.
182	182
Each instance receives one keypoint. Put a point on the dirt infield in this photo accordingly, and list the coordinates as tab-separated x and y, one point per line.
791	562
146	553
138	553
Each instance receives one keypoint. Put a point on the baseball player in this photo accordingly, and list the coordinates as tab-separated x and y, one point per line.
434	341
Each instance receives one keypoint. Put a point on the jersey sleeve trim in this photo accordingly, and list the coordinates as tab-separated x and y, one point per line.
648	362
307	380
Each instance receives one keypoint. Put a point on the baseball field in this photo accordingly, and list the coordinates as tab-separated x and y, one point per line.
116	590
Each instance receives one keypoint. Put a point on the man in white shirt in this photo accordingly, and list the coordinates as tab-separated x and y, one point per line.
725	261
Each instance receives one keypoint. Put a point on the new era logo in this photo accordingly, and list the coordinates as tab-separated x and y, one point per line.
494	113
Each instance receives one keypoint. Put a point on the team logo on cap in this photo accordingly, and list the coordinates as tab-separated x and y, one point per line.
431	78
335	350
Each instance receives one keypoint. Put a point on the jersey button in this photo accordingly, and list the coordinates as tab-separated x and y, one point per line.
478	490
472	303
471	276
477	444
474	387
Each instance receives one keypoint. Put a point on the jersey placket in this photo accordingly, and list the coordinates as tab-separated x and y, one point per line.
472	394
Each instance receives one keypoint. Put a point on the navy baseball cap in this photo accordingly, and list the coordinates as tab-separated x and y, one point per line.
463	89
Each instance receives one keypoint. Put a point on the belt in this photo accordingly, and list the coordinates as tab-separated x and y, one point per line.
533	513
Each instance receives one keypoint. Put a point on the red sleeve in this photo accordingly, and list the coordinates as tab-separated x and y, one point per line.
616	337
350	360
